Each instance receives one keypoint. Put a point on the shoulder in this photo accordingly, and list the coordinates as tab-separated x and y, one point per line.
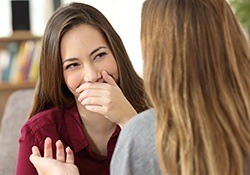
135	149
142	123
44	118
40	125
139	128
148	115
49	122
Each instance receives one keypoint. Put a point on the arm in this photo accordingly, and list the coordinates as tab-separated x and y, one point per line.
106	99
135	151
24	166
48	166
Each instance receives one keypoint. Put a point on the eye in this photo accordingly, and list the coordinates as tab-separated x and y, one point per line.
71	66
99	56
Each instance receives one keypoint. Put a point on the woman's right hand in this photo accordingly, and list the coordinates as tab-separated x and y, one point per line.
106	99
48	166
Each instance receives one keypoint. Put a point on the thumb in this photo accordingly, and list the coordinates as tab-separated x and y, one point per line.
34	159
109	79
35	156
39	163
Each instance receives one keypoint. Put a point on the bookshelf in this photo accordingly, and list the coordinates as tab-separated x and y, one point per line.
19	60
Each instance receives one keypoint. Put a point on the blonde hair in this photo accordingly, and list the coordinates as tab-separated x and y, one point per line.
196	72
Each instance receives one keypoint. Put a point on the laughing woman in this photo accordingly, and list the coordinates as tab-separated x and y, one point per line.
87	90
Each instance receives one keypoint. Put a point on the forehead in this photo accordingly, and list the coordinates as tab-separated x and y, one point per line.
81	39
83	32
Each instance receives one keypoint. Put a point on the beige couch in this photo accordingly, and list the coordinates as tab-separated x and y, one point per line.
15	114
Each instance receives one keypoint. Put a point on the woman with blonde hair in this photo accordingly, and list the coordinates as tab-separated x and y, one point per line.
196	73
200	89
197	77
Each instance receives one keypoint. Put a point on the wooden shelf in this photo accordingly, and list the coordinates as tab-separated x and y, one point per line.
12	86
19	36
7	88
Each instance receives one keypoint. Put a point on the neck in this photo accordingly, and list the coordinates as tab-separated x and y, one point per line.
94	122
97	128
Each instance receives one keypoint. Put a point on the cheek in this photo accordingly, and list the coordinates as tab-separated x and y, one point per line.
71	81
112	69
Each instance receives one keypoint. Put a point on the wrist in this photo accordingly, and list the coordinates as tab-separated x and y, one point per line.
127	118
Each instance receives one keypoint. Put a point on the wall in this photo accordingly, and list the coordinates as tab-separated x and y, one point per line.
40	11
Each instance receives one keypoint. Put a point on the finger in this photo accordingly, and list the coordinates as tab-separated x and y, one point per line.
39	163
48	148
96	85
34	159
96	109
35	156
69	156
60	154
35	151
107	78
95	101
90	93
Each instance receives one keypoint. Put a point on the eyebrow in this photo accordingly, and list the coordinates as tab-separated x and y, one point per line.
94	51
69	59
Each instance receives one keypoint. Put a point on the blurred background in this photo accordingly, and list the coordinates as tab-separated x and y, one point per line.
124	15
242	11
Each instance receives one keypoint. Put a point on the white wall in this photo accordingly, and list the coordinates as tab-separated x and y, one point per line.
5	18
40	11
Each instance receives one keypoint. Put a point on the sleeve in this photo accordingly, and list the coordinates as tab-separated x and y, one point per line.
26	141
135	151
122	160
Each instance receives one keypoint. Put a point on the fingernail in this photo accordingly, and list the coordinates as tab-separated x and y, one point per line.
48	139
58	141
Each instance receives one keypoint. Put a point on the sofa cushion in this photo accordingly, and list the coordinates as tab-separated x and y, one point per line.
15	115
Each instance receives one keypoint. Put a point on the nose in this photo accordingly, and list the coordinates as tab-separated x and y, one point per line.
91	74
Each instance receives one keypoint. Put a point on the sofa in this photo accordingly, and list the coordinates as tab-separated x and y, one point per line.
15	115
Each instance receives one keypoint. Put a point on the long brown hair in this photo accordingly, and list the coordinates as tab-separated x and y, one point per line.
196	74
51	89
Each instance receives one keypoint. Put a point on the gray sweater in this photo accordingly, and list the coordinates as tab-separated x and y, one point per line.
135	152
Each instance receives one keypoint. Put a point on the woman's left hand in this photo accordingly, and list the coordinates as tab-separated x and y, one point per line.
63	164
106	99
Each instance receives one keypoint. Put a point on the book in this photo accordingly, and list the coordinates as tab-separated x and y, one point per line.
34	67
